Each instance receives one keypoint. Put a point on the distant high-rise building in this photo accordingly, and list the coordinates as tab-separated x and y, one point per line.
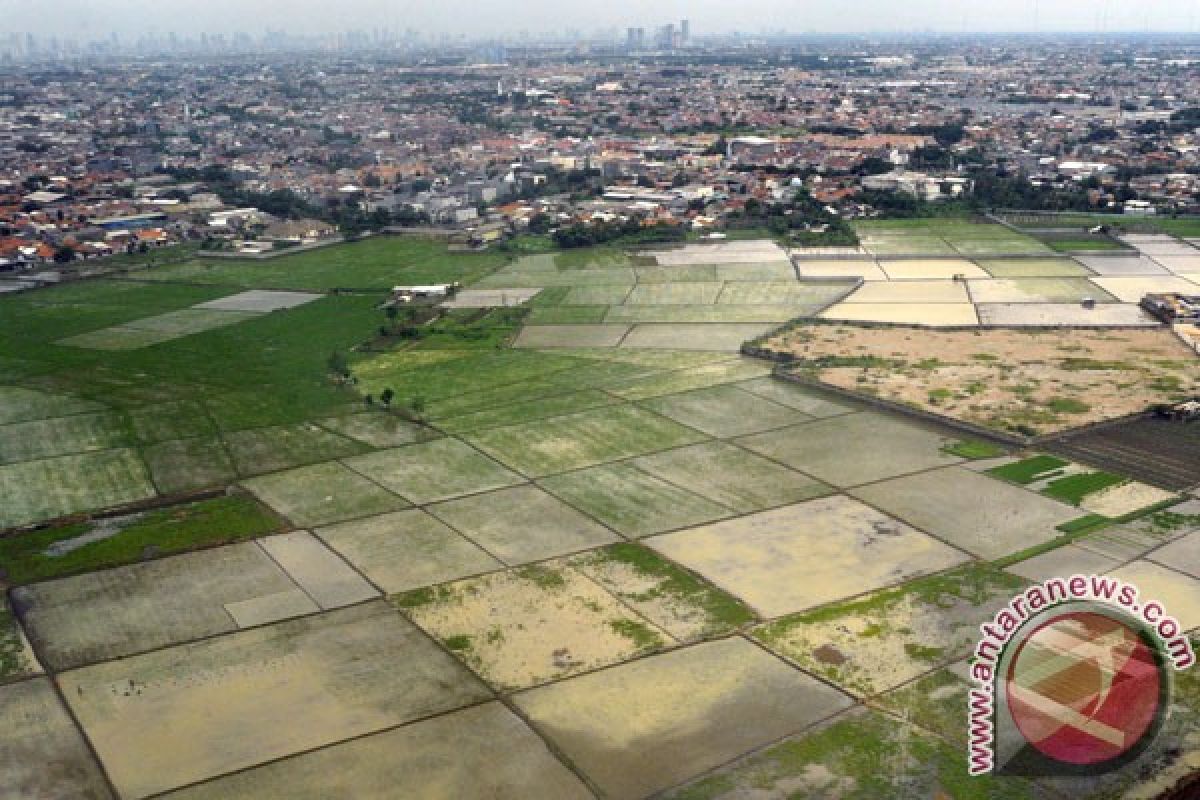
685	31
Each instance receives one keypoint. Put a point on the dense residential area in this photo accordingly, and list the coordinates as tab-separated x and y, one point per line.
123	155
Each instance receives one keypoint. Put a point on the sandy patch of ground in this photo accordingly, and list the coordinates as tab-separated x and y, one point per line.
1117	501
930	269
1178	593
648	725
910	292
1041	381
531	625
902	313
481	753
175	716
807	554
870	645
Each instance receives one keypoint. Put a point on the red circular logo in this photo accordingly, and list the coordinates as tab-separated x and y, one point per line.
1084	688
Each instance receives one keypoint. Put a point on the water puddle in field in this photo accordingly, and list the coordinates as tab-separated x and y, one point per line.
101	530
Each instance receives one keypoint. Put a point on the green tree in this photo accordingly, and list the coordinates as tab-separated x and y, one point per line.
386	397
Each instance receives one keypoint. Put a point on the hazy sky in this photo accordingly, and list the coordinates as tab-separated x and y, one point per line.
95	18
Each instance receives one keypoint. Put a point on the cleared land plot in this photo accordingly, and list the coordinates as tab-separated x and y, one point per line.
854	448
1032	267
1124	315
524	627
677	274
903	313
542	279
1063	561
437	470
1156	451
186	464
54	487
767	271
117	338
675	294
188	321
1035	381
631	501
932	269
986	517
270	449
733	477
45	438
490	298
684	336
21	405
323	493
1178	593
805	555
597	295
999	246
667	595
1121	265
867	270
910	292
260	301
571	335
1036	290
522	524
407	550
116	612
724	411
582	440
480	753
814	402
42	753
1181	265
874	643
645	726
1131	289
553	406
324	577
1182	555
858	757
172	717
377	429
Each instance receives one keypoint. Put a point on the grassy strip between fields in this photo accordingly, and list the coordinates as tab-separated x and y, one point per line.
974	450
222	520
1028	470
1073	488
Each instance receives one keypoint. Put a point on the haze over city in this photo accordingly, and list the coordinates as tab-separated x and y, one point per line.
87	19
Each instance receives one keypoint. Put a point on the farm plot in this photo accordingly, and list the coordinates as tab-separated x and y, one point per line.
631	501
1184	266
1182	555
525	627
172	717
880	641
910	292
804	297
905	313
715	314
986	517
731	476
813	402
930	269
1121	265
22	405
807	554
117	338
766	271
41	751
186	464
437	470
261	450
867	270
1156	451
582	440
169	421
522	524
260	301
534	336
677	274
675	294
1066	560
54	487
854	448
724	411
1036	290
188	321
668	596
1176	591
1032	267
60	436
480	753
376	429
725	337
17	659
597	295
859	756
1050	315
1131	289
323	493
117	612
490	298
645	726
543	279
553	406
407	550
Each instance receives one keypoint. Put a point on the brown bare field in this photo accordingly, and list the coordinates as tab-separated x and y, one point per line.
1029	381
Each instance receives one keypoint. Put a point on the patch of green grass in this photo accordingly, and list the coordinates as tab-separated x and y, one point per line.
543	577
1067	405
974	449
1084	524
932	655
1083	243
1027	470
1168	521
1073	488
637	632
171	530
459	643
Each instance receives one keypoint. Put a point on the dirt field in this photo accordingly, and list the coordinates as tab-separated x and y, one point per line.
1030	381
